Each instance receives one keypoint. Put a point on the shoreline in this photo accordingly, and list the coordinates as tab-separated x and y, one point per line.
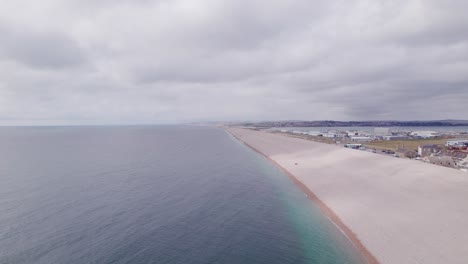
329	213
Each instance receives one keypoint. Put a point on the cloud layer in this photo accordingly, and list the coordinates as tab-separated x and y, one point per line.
153	61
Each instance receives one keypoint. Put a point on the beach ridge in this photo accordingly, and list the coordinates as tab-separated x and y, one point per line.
331	215
393	210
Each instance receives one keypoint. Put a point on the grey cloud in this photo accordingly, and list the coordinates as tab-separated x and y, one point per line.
40	49
184	60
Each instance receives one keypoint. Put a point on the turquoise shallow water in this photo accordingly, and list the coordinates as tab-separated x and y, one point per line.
153	194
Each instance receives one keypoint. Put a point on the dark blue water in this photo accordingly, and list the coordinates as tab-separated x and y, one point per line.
175	194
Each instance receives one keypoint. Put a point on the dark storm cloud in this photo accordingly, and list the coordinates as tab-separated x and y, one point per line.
183	60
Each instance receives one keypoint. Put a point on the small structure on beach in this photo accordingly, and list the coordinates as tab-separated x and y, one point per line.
353	146
463	165
406	153
441	161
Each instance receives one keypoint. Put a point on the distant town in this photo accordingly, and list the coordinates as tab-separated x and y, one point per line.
444	147
332	123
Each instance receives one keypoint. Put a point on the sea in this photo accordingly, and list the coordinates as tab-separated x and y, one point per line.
153	194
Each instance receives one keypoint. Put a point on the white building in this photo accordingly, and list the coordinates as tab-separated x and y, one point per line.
334	135
424	134
341	135
329	135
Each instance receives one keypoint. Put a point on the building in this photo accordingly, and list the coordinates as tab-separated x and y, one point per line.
397	137
457	143
334	135
315	133
341	135
428	150
382	131
424	134
329	135
361	139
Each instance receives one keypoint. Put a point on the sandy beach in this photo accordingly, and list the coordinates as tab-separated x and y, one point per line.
394	210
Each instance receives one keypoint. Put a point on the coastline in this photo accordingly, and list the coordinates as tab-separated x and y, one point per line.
332	216
392	210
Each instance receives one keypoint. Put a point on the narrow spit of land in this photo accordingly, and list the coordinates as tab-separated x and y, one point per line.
394	210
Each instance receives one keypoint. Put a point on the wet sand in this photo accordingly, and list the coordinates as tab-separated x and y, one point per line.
393	210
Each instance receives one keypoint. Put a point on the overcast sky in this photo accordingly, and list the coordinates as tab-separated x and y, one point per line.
158	61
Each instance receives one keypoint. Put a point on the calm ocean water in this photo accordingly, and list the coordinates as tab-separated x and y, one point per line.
174	194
